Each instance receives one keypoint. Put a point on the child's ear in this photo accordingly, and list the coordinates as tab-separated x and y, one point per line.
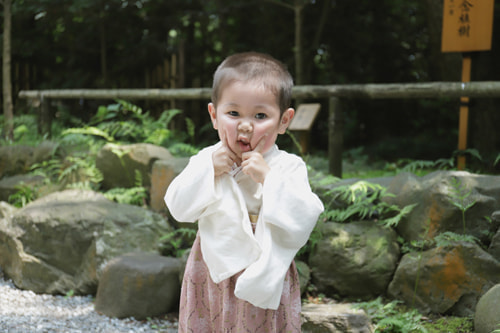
285	121
212	112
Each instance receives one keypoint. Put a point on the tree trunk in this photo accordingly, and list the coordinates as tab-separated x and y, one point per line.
298	6
8	108
320	27
104	55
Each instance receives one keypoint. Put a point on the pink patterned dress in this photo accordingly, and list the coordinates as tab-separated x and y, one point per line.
209	307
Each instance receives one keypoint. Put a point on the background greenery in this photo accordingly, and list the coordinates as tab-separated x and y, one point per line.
127	44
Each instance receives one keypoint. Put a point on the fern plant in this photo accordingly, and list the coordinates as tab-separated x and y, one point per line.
392	317
497	159
440	164
448	238
136	195
24	194
362	200
459	197
178	241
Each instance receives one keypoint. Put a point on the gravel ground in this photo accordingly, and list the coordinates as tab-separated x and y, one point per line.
24	311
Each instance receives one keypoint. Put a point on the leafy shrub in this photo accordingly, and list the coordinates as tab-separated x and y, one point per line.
361	201
392	317
177	242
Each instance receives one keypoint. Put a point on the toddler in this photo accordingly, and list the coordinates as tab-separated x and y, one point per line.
253	203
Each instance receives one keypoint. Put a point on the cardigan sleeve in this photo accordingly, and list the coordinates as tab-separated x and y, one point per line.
191	194
289	204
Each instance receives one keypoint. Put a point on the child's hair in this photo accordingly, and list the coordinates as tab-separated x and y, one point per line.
258	67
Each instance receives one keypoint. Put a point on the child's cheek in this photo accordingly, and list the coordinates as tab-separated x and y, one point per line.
270	139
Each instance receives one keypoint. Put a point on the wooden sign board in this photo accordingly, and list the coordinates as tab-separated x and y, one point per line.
304	117
467	25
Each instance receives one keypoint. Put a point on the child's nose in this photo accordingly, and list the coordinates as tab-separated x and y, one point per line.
245	126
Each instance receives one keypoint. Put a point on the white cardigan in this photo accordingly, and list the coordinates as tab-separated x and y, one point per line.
287	215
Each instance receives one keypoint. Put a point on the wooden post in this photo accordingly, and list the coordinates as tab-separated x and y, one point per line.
464	113
45	119
335	137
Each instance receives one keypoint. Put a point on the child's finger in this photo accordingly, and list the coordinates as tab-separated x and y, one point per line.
260	145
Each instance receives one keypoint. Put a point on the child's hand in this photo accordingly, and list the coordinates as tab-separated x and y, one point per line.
253	162
223	159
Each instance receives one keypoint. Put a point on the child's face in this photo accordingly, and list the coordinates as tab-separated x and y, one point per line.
247	113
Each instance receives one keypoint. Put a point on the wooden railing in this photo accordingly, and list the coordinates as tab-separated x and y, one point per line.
484	89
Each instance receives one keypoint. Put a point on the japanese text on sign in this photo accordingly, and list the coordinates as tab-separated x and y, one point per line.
467	25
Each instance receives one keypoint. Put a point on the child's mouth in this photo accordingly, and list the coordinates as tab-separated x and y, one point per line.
244	145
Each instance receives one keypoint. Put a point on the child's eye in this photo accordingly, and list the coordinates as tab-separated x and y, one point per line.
233	113
261	116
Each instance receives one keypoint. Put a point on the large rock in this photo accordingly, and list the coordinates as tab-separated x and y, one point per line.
13	184
436	213
61	242
487	317
448	279
6	210
164	171
494	248
356	259
119	164
334	318
139	285
18	159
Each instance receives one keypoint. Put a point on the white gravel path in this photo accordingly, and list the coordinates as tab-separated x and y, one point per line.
24	311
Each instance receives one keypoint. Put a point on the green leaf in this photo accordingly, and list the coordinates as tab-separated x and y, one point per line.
89	131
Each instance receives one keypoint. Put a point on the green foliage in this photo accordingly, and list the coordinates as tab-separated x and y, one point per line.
70	293
497	159
50	169
72	171
175	243
459	197
447	238
474	153
361	201
182	149
450	324
124	122
80	171
89	130
392	317
136	195
132	195
24	195
417	165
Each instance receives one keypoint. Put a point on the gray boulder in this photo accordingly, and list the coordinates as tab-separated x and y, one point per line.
487	317
448	279
10	185
356	259
334	318
162	174
139	285
18	159
436	213
61	242
494	248
6	210
119	164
